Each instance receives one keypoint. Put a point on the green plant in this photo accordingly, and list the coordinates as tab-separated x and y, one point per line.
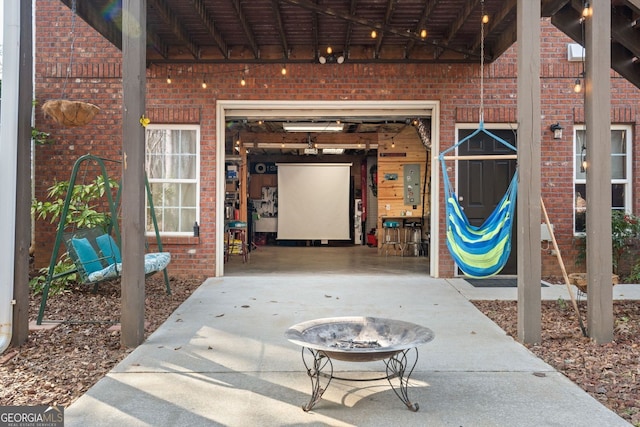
625	230
562	303
58	285
40	137
83	213
83	204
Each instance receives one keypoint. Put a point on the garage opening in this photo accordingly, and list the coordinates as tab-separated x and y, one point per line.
326	175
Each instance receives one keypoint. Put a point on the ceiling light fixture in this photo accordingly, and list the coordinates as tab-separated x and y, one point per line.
331	58
313	127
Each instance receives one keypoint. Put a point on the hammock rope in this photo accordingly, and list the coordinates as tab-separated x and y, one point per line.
479	251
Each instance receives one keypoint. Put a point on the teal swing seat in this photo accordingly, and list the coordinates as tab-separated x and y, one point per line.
479	251
96	256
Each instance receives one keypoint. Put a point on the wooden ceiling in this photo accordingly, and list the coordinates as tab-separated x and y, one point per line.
290	31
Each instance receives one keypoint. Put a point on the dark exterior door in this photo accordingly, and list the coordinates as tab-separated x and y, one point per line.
482	183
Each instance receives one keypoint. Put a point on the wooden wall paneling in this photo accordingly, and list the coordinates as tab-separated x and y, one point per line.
395	151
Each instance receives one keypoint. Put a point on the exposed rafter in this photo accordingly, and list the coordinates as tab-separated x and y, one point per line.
178	30
315	31
246	28
495	21
306	4
426	12
353	8
460	20
387	19
207	21
283	37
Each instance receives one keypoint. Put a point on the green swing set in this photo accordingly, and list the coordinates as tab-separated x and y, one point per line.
95	251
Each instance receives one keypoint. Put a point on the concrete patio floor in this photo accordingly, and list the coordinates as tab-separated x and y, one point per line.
221	358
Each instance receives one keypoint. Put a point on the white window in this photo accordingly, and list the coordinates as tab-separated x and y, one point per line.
620	172
173	170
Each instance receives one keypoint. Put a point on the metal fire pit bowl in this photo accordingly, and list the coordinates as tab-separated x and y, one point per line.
358	339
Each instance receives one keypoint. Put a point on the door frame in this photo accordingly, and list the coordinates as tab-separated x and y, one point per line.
272	109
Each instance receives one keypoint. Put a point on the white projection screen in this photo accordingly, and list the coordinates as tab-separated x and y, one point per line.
313	201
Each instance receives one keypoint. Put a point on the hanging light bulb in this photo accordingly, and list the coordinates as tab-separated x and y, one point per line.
169	76
204	84
393	143
329	50
587	12
423	34
283	71
485	19
243	82
374	34
577	86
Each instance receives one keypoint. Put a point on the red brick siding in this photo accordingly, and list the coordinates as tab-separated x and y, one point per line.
96	77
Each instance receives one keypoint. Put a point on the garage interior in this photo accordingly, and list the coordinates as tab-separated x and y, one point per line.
388	179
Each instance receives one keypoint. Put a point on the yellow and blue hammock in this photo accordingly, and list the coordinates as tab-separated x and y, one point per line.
479	251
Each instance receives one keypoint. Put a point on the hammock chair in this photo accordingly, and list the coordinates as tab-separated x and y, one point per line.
479	251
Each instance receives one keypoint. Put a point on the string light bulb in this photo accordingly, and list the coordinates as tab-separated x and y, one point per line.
577	86
485	19
423	34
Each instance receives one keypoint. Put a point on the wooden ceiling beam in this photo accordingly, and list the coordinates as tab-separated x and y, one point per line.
462	18
275	5
307	4
426	12
252	138
246	28
391	4
172	20
207	21
622	30
495	21
353	8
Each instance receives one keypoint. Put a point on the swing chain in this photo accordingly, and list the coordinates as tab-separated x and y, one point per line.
482	24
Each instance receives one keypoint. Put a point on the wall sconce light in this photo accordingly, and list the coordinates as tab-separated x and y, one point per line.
557	130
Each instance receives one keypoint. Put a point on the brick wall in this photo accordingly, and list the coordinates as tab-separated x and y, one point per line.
96	77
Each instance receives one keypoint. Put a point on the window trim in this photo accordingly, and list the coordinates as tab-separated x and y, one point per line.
169	126
627	181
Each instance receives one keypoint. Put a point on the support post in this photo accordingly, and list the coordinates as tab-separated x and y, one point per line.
528	204
23	181
133	151
598	134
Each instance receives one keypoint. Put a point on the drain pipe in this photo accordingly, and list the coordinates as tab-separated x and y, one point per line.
8	165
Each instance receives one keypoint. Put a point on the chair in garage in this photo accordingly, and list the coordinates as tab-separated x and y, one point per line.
236	243
391	236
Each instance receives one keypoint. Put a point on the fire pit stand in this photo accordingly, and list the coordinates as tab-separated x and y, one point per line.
359	339
396	368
